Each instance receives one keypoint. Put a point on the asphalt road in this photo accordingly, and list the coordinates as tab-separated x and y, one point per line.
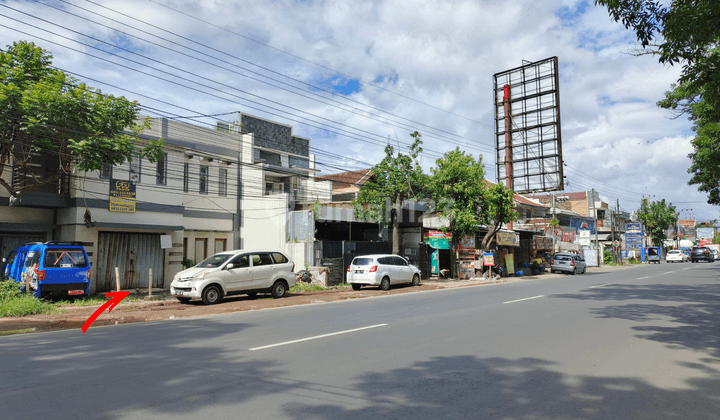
642	343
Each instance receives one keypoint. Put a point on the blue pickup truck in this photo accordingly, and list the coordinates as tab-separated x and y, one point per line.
52	268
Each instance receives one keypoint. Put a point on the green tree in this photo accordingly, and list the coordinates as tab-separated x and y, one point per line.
398	177
48	115
461	196
657	217
685	32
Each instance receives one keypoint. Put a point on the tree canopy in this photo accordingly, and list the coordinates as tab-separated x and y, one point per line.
398	177
657	217
685	32
461	196
47	115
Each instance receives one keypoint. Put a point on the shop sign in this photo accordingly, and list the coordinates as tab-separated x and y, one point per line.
122	196
488	259
543	242
568	236
467	242
510	263
507	239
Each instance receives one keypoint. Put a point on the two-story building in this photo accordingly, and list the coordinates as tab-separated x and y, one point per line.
216	189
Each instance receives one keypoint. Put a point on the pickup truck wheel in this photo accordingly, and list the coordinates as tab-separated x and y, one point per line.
211	295
183	300
356	286
278	290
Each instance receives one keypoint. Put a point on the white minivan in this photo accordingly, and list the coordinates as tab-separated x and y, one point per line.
381	270
233	273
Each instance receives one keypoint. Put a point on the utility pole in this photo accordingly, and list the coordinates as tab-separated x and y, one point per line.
508	144
620	257
612	233
597	245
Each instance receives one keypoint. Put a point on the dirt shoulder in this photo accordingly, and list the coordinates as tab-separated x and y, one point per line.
167	307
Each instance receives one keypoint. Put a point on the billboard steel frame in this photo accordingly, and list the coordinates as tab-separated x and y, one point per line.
529	152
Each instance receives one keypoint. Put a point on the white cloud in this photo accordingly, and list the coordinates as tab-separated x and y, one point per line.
442	54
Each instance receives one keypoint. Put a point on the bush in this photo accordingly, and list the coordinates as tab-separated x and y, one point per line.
607	257
14	303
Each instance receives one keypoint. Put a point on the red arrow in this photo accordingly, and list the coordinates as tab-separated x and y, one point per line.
115	298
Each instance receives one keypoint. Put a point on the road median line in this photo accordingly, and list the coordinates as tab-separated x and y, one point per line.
520	300
315	337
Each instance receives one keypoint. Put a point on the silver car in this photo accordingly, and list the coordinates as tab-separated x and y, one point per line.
233	273
568	263
381	270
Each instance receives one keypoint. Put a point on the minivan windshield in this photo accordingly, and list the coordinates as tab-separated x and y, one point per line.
215	261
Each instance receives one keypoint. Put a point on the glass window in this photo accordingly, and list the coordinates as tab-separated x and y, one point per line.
106	171
186	177
204	179
241	261
261	259
222	182
298	162
279	258
135	169
215	261
400	261
161	170
64	258
386	261
362	261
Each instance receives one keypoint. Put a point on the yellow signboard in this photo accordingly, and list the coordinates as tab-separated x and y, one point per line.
510	263
122	196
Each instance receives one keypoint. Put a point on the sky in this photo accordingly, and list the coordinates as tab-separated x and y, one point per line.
353	76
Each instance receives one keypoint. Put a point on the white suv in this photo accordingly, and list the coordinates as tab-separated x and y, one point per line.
381	270
233	273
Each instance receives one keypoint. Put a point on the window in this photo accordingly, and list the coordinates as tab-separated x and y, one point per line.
135	169
204	179
186	177
222	182
241	261
106	171
298	162
220	245
261	259
279	258
161	170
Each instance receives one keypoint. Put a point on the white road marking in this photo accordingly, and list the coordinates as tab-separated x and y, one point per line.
689	268
641	278
599	285
316	337
520	300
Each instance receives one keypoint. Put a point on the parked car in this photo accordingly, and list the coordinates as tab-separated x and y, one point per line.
716	253
701	253
14	263
52	268
675	255
233	273
653	254
568	263
381	270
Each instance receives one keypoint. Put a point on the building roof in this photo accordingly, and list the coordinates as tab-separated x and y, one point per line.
347	181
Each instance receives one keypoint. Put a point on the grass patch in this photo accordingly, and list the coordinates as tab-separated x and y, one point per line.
305	287
25	305
11	332
95	300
